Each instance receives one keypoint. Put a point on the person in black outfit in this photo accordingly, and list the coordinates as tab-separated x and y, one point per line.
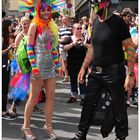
76	54
6	30
109	36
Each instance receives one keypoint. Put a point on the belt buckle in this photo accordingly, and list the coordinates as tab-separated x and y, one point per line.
99	69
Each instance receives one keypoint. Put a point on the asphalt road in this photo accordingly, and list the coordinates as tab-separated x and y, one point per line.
65	120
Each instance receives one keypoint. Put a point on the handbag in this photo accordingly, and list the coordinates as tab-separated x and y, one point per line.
102	107
22	56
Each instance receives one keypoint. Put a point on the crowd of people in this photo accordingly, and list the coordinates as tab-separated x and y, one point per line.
101	53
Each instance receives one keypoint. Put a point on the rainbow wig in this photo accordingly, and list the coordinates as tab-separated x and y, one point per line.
33	7
41	6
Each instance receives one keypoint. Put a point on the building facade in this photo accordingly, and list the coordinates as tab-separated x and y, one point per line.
5	5
82	7
11	7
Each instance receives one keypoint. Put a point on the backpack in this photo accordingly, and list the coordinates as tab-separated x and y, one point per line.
22	56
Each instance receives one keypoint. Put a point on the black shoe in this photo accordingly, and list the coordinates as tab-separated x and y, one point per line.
82	101
75	138
120	139
79	136
72	100
8	116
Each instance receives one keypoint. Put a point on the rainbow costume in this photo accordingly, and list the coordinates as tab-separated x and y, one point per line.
43	54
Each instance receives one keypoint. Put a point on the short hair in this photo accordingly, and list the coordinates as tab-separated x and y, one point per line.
84	18
76	24
23	19
66	16
72	18
126	11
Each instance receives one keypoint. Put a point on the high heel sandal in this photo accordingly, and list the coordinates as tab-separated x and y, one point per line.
50	132
27	137
13	112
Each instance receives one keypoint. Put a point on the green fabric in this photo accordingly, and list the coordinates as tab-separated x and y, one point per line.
22	56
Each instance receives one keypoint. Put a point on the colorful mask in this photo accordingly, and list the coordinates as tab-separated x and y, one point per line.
101	7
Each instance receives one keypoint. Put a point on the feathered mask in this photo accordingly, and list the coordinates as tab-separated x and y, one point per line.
101	7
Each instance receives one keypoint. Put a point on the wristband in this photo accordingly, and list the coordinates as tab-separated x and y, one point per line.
32	59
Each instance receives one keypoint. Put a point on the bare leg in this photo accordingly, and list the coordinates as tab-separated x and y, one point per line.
49	103
128	98
35	87
64	65
12	109
49	106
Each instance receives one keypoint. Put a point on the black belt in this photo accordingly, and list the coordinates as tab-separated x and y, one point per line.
101	68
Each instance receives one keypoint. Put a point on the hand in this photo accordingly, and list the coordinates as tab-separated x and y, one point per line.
129	83
81	75
60	40
74	43
12	46
60	73
36	76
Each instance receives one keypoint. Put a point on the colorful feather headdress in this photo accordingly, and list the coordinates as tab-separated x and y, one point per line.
31	5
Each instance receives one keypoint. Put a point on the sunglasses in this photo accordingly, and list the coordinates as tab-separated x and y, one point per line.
79	28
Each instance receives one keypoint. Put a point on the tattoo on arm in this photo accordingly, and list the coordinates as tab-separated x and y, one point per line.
130	49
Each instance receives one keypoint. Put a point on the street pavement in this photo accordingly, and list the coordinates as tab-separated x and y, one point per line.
65	120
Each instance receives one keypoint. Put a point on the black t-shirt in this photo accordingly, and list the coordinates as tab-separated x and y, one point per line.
76	54
107	40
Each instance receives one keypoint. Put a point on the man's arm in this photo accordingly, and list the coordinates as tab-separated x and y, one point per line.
87	61
130	50
89	57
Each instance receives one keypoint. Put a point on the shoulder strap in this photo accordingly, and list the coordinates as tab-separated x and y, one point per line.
22	34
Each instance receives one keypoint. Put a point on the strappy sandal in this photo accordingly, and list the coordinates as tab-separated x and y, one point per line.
25	136
50	132
13	112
